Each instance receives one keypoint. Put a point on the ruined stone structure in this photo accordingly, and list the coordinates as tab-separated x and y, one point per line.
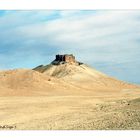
66	58
69	58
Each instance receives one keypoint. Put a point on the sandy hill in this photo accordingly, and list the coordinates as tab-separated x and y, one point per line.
64	73
27	81
83	76
22	78
66	95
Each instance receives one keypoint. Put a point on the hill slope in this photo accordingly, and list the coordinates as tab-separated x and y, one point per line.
83	76
27	81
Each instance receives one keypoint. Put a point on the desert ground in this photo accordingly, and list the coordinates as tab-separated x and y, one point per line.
76	98
71	112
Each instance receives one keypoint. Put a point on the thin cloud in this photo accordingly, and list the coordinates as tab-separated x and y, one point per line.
104	39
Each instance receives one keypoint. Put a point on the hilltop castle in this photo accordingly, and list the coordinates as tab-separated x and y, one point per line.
69	58
66	58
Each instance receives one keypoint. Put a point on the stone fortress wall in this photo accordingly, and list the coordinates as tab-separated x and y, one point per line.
69	58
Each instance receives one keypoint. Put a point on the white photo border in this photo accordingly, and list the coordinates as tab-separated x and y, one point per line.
70	5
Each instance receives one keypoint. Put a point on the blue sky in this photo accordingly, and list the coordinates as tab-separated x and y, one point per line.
107	40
